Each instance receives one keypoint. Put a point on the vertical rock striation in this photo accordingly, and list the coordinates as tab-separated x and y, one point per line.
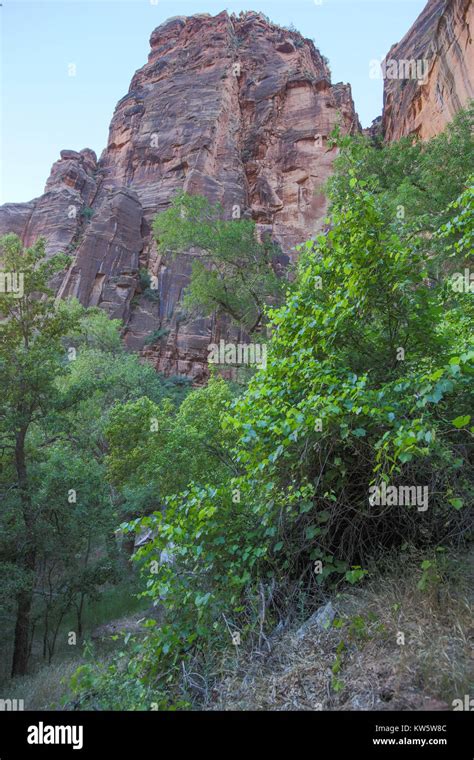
239	110
230	107
442	36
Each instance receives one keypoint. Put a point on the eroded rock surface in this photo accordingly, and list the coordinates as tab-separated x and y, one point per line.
239	110
231	107
442	36
60	213
234	108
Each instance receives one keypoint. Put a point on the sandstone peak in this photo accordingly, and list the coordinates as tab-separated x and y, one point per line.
237	109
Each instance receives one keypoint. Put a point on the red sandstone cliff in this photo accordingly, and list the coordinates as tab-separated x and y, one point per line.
239	110
234	108
441	36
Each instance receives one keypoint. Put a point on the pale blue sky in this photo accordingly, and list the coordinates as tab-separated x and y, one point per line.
45	110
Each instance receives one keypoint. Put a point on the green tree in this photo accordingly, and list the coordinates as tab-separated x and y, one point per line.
234	273
74	519
168	447
63	368
31	359
416	180
369	379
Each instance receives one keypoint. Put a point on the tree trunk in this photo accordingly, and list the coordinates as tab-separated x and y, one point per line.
80	609
25	597
52	645
21	648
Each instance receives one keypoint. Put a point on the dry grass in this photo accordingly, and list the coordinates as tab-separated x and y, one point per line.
47	686
433	667
44	689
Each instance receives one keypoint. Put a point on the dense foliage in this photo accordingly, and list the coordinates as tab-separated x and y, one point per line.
248	507
235	274
62	369
368	385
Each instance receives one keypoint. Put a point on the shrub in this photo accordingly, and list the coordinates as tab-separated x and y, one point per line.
156	335
368	384
87	213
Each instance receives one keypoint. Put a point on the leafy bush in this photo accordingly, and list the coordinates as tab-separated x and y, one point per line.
156	335
234	273
144	283
368	382
87	213
144	279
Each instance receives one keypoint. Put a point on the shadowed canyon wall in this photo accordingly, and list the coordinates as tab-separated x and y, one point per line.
441	36
236	109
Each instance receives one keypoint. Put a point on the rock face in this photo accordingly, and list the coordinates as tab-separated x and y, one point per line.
441	36
59	214
239	110
233	108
